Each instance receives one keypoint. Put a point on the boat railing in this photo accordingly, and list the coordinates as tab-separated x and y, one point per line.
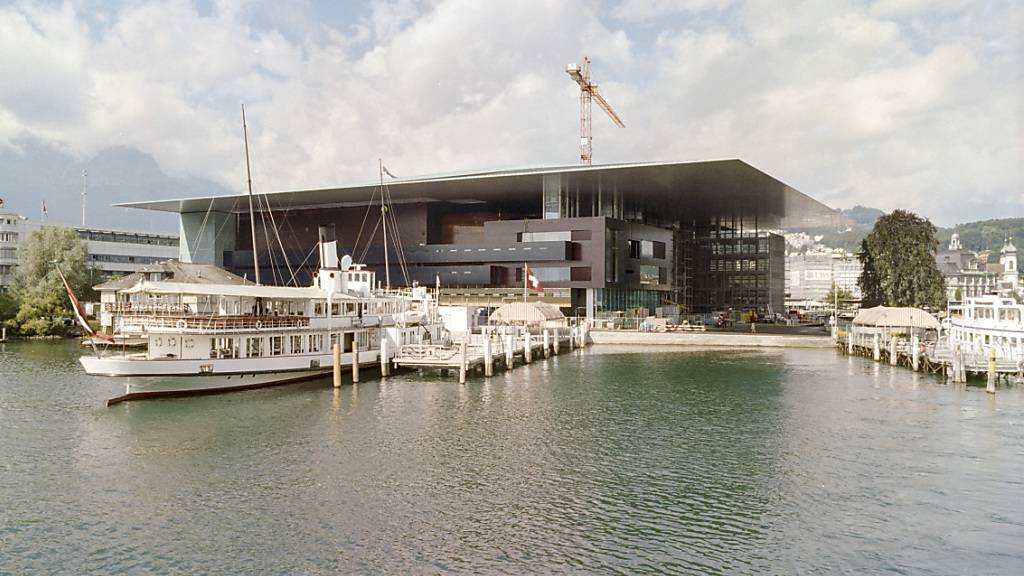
147	309
192	323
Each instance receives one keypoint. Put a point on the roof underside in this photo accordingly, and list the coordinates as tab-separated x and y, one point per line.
690	189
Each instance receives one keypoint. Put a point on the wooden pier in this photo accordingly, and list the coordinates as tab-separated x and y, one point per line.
935	357
495	345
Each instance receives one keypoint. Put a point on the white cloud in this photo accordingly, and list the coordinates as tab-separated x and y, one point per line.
885	105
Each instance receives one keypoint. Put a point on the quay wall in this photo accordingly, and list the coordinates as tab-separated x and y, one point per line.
723	339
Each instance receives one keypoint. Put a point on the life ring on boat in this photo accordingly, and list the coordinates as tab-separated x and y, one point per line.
181	324
259	324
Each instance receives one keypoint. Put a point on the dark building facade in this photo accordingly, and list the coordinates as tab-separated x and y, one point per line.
701	235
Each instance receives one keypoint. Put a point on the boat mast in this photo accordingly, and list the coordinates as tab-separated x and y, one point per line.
384	218
252	217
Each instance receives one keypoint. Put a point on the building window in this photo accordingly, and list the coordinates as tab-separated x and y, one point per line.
560	236
634	249
650	274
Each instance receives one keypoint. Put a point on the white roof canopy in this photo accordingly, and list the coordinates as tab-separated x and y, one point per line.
246	290
884	316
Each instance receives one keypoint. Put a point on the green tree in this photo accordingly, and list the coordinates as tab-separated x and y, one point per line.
870	285
36	286
842	295
899	263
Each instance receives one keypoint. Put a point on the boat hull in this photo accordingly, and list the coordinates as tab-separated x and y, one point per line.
161	378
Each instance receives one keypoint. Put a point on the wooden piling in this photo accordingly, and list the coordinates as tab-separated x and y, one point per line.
336	352
547	343
355	362
527	352
877	351
991	388
915	353
893	354
488	357
462	362
509	351
385	362
558	336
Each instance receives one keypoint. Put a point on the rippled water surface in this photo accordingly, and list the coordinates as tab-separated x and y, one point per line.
609	461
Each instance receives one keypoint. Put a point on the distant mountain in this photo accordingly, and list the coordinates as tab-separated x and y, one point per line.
862	215
36	171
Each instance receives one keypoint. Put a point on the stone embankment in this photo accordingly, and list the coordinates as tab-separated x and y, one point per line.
723	339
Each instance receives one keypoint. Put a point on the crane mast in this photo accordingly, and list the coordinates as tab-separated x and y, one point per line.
588	94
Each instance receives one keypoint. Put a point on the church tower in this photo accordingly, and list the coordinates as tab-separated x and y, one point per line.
1008	260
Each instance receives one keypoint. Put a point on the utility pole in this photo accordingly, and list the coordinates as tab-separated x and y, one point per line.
85	174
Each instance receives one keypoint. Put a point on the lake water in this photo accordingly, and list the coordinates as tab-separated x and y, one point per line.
607	461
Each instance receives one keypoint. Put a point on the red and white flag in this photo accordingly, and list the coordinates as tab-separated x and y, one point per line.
79	311
531	280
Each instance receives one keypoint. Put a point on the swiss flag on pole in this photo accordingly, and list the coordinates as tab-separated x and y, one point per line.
531	279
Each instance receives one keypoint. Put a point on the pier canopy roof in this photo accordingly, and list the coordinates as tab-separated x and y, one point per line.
886	317
528	313
664	190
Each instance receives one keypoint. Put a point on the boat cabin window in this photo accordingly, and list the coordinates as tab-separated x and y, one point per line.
254	347
223	348
318	309
335	309
276	345
316	342
295	345
350	309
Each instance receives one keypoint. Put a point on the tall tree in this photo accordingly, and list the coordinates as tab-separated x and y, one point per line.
870	284
899	263
36	285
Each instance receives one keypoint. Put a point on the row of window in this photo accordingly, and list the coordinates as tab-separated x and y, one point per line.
120	258
747	247
127	238
646	249
739	265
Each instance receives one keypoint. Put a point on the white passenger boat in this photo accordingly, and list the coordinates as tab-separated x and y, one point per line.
205	338
988	323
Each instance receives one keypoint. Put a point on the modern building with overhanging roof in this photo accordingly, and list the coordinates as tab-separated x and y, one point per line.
600	238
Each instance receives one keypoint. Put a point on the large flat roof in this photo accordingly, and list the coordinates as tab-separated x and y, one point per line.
689	189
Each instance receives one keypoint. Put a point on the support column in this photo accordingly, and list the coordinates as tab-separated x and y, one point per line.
385	362
893	353
527	352
558	336
876	349
915	352
547	343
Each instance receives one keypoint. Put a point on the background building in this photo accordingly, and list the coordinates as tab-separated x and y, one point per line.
967	274
111	252
600	238
811	274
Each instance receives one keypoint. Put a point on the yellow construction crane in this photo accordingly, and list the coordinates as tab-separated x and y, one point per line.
588	92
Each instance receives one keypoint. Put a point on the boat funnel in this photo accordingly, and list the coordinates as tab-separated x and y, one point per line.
328	247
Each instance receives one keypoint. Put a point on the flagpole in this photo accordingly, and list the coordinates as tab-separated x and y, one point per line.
526	280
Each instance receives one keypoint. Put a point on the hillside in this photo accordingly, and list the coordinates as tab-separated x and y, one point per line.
985	234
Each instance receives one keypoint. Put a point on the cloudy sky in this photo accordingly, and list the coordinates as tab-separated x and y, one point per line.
913	104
